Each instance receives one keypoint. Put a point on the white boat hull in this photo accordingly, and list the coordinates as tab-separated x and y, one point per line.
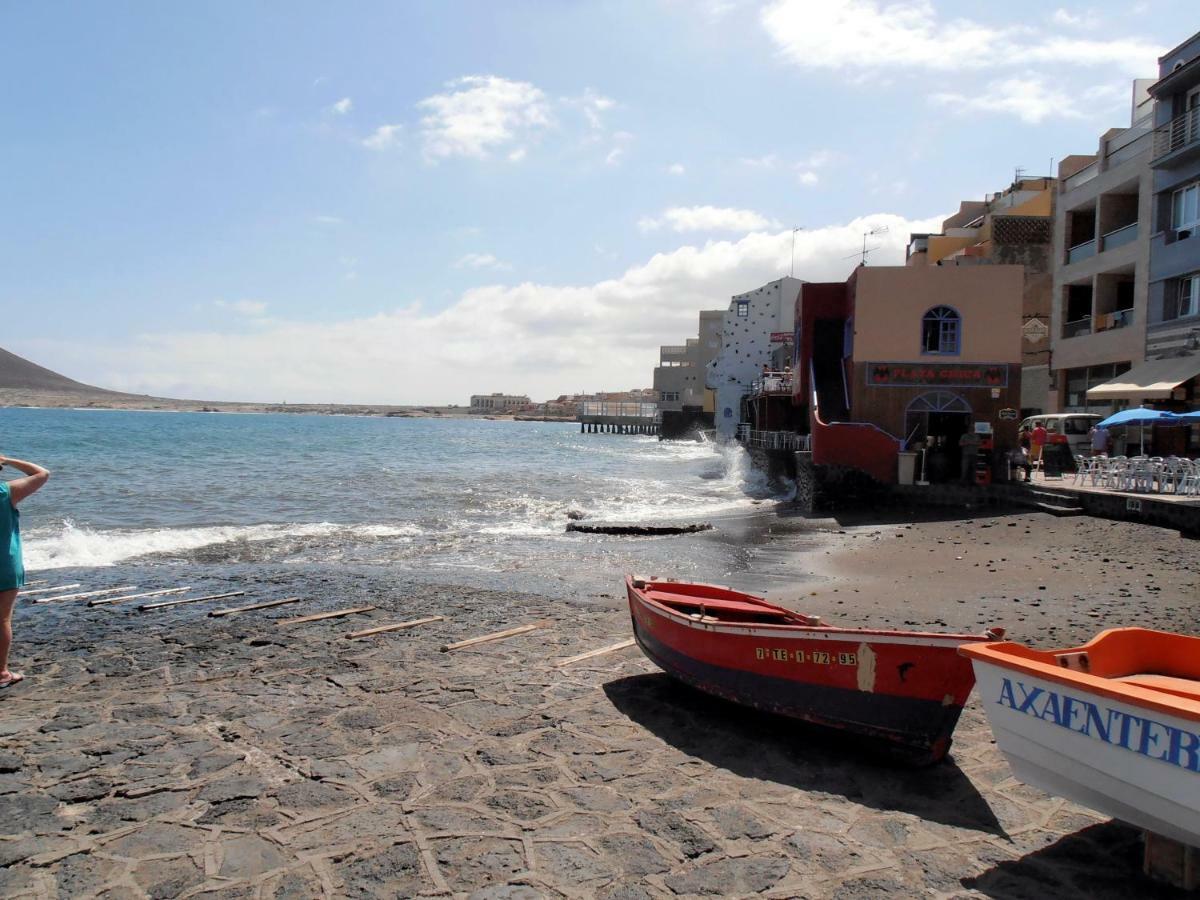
1138	765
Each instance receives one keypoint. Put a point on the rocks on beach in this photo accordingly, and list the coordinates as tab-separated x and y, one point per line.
171	754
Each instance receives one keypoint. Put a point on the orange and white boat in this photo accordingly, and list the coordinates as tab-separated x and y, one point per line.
1113	724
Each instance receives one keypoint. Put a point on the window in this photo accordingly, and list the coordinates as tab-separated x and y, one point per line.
1183	297
669	396
743	308
940	331
1185	208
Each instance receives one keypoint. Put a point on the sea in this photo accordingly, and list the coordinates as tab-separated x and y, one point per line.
476	502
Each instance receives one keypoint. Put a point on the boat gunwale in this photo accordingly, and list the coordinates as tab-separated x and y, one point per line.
798	631
999	654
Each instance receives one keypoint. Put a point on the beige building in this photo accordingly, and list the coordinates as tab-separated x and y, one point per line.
498	403
1102	262
1012	227
679	376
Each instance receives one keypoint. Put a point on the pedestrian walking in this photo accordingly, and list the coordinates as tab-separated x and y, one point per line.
1037	442
12	566
1100	438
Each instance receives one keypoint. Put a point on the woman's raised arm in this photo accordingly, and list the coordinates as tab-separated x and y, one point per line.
20	488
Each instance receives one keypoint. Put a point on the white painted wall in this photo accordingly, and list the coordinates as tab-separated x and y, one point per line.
746	346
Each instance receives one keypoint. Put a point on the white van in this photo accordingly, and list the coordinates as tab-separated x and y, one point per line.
1073	426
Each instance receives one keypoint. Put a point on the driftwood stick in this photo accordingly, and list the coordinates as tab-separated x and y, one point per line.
582	656
216	613
496	636
45	590
145	607
107	600
399	626
335	614
116	590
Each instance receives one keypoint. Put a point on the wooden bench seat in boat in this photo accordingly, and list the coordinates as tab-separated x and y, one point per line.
1169	684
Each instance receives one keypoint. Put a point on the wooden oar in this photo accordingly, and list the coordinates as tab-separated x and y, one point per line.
145	607
496	636
61	587
216	613
335	614
116	590
582	656
107	600
399	626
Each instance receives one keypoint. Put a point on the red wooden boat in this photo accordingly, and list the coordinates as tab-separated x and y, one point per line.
904	688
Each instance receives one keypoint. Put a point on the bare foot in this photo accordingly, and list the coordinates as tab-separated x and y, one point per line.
8	679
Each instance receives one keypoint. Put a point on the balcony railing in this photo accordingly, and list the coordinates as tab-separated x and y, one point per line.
672	351
1120	237
1077	327
772	383
1080	252
773	440
1083	176
1182	131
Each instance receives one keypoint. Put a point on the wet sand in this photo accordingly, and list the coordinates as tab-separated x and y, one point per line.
171	754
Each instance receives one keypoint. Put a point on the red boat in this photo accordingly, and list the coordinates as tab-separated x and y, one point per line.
905	689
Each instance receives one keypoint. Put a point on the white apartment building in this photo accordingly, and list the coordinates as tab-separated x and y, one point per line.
754	327
492	403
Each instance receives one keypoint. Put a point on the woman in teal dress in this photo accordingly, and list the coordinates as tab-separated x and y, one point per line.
12	568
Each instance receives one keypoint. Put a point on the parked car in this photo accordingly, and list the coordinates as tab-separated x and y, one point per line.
1069	428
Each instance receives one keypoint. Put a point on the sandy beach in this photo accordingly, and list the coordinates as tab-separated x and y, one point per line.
168	753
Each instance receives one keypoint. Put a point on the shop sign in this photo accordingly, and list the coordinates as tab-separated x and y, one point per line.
894	374
781	337
1035	330
1008	414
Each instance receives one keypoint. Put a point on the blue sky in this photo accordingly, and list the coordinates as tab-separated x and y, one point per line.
411	202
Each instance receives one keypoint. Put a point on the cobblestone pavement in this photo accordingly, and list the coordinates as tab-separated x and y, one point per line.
170	754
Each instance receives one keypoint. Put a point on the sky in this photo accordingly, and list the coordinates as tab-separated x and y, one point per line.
412	202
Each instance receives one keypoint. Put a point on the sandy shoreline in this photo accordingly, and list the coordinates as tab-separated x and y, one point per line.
172	754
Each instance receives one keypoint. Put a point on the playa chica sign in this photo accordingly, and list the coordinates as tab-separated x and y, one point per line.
902	374
1137	734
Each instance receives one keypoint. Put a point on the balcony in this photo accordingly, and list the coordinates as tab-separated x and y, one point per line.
1119	237
1180	134
772	383
1080	252
1083	176
1077	327
1120	318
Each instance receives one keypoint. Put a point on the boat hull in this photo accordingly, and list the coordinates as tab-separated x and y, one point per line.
905	692
1117	758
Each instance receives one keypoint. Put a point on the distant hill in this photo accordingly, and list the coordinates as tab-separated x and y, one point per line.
20	374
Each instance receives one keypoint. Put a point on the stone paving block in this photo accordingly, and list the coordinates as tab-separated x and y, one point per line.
729	877
472	862
633	854
249	856
165	878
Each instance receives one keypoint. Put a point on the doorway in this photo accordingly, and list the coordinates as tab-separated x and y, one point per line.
937	420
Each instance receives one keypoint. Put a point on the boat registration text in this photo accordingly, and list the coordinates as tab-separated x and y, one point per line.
816	657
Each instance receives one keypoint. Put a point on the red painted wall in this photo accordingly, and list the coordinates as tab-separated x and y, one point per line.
817	300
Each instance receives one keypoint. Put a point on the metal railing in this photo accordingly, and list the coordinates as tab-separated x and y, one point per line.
1083	176
1083	251
772	383
1125	146
1077	327
1119	237
1182	131
615	408
773	440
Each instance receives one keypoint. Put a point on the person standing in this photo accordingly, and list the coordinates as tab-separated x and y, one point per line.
12	566
1037	442
1099	441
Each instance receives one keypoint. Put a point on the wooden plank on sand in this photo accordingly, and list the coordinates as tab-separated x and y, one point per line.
116	590
335	614
216	613
145	607
582	656
496	636
399	626
107	600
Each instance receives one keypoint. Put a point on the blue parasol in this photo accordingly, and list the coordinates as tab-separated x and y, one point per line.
1138	416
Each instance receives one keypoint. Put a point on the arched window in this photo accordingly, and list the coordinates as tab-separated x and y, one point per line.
941	331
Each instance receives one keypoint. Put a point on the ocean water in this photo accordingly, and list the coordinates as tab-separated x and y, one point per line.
472	502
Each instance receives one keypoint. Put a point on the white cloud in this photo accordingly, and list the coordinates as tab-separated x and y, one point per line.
249	308
593	105
675	169
876	35
541	339
807	179
1069	19
480	114
326	220
769	161
706	218
342	107
480	261
1028	98
385	137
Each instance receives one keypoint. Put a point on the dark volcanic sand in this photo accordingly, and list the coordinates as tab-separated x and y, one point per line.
171	754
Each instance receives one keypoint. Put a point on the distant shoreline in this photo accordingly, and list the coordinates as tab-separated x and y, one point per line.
25	399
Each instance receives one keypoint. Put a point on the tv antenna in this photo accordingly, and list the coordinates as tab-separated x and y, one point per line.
878	229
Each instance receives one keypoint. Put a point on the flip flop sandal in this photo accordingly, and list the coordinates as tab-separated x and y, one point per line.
9	682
